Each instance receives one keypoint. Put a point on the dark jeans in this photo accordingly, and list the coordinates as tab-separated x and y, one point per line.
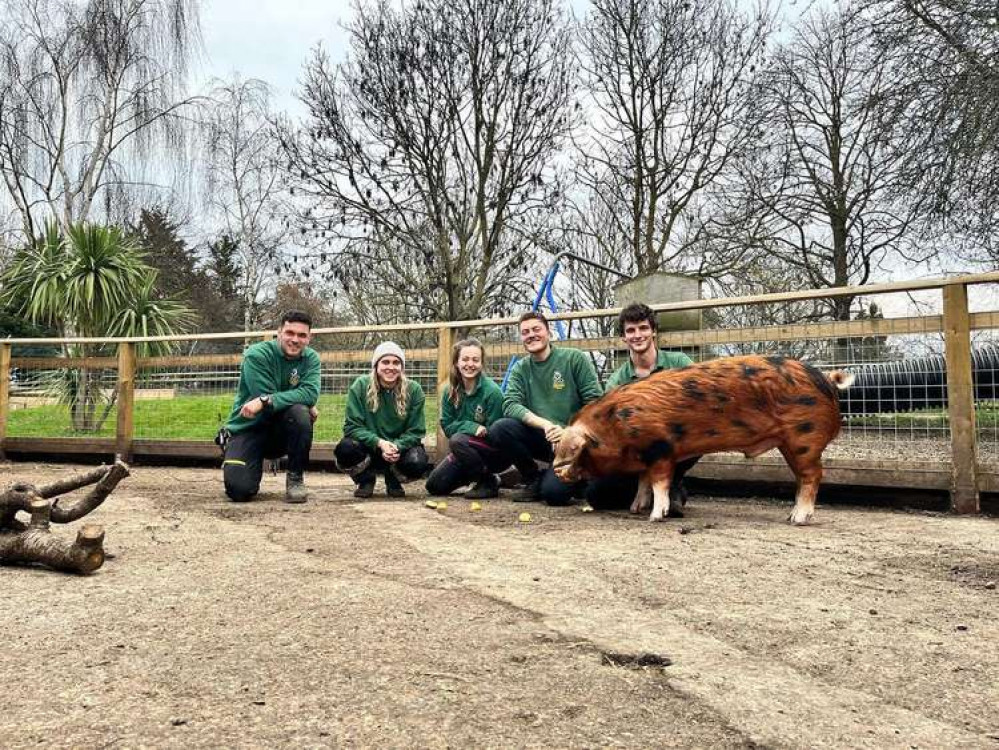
521	445
287	432
618	491
362	463
471	459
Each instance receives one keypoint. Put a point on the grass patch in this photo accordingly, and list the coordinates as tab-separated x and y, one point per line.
181	418
986	416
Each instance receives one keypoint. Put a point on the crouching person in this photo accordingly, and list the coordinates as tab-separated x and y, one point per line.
384	426
471	404
546	388
274	411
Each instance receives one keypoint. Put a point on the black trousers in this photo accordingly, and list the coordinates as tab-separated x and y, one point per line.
618	491
362	463
521	445
469	460
287	432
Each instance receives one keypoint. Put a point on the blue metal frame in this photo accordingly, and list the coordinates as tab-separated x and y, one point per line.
544	293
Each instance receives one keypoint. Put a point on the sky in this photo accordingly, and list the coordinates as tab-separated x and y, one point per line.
274	40
270	43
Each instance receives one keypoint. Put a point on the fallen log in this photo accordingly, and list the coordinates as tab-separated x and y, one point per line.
32	543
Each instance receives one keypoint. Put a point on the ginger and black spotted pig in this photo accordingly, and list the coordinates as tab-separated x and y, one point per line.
741	404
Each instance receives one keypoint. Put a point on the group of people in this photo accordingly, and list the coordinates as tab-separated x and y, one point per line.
488	430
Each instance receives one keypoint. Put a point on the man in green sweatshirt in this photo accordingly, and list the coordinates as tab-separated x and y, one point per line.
274	410
637	325
544	391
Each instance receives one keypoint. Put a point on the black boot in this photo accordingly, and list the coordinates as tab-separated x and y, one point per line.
294	488
365	484
531	492
485	488
393	487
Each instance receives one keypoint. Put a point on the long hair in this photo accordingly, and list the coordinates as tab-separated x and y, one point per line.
401	390
457	390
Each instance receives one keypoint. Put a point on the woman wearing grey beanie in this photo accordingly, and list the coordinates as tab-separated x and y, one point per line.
384	426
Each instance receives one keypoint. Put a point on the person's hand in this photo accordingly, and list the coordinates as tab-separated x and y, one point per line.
480	431
390	451
313	414
553	433
251	408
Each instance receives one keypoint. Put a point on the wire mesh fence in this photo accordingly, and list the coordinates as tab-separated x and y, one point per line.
897	411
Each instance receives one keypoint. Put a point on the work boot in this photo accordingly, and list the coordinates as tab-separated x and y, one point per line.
485	488
531	492
365	485
294	488
393	487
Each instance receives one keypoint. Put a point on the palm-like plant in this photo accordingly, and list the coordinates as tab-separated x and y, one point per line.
91	282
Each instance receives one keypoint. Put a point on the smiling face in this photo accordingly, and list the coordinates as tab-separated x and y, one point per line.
640	336
293	338
469	362
388	370
535	336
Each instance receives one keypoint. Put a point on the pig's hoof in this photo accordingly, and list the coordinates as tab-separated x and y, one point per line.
799	517
675	511
656	516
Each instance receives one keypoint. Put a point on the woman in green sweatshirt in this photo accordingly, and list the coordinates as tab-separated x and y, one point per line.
384	426
472	403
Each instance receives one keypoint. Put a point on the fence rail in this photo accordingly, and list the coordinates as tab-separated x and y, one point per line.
170	406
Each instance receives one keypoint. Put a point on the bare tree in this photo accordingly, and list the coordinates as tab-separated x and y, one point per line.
427	158
942	95
668	82
244	183
825	193
88	90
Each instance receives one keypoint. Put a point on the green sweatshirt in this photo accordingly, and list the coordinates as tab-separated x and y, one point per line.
385	424
266	370
480	408
554	389
664	361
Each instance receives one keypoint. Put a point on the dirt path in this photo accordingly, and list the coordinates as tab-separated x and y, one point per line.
338	624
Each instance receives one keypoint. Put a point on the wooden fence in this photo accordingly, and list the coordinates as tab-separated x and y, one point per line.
958	469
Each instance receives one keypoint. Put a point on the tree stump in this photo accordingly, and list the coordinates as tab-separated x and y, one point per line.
32	543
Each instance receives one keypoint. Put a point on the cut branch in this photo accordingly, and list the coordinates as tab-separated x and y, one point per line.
32	542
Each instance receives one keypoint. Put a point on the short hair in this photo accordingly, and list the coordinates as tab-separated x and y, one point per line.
533	315
636	312
295	316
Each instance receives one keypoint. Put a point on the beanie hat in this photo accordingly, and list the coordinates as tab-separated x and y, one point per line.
385	349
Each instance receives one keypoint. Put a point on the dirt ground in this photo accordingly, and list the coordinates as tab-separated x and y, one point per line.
341	623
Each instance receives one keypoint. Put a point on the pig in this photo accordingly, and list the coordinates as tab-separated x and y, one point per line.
747	404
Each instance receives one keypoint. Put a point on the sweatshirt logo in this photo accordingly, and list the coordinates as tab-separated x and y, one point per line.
294	378
480	414
558	382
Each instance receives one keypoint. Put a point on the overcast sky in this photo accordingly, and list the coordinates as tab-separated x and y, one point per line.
272	41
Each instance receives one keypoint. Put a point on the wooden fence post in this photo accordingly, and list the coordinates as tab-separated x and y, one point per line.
960	399
445	341
126	401
4	393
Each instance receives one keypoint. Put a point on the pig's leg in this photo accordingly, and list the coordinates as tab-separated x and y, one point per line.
807	468
643	497
659	476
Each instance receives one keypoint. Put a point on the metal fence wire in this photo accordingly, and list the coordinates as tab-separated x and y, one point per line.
900	410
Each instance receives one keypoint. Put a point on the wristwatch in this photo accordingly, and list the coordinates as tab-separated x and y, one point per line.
265	399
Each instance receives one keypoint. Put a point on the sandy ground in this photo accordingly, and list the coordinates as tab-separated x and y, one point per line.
346	624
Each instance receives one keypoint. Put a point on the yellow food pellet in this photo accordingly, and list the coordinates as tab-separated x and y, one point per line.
431	503
587	508
525	517
475	506
442	505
